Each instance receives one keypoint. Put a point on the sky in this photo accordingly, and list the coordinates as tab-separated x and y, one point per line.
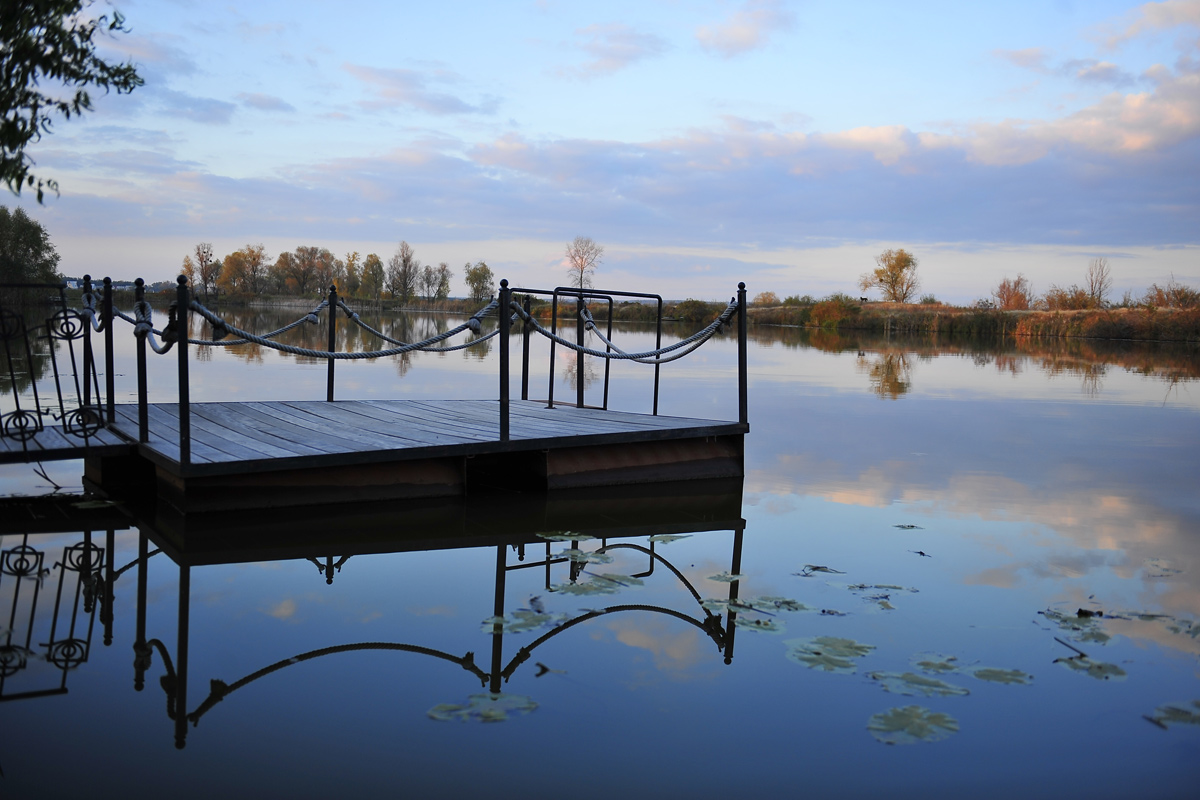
784	143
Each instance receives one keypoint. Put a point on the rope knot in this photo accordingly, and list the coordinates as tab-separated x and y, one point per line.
473	324
311	318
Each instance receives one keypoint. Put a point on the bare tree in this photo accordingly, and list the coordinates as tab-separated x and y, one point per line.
583	256
208	269
1099	280
443	281
895	275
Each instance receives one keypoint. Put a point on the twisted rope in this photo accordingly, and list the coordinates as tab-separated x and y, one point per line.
304	351
473	324
648	357
143	326
223	330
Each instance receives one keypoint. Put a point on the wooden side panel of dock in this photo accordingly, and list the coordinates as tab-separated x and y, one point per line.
276	454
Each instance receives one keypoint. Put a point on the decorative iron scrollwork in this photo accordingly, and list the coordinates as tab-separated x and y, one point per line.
12	659
83	557
66	325
22	424
84	422
67	653
22	561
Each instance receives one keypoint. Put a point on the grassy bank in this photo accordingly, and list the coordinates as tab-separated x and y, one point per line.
1144	323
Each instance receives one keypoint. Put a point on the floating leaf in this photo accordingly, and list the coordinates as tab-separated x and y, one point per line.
935	663
1085	628
1177	714
522	620
1096	669
828	653
911	683
586	556
726	577
483	708
909	527
599	584
667	538
758	624
768	603
829	612
910	725
564	536
1011	676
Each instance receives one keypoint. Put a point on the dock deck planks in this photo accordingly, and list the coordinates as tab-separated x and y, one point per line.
236	438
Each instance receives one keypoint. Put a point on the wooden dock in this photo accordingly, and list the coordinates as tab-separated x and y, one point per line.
255	455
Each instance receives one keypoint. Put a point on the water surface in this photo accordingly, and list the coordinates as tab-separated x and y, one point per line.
947	503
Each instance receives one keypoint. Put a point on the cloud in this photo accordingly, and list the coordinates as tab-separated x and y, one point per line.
285	609
265	102
396	88
1151	17
198	109
747	29
615	47
1084	70
1033	58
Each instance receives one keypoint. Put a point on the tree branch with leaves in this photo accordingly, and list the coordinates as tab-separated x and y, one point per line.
49	41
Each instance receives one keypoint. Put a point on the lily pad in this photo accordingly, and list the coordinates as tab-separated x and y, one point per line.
828	653
935	663
586	556
1095	669
483	708
910	725
1086	628
564	536
1160	568
1010	676
1177	714
667	538
911	683
759	624
523	620
599	584
726	577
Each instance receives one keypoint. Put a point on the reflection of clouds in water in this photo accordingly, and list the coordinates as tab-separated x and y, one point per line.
675	648
1114	529
285	609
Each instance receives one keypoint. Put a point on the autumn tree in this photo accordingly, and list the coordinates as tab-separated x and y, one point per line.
233	274
403	273
1014	295
766	299
895	276
373	277
481	283
47	62
583	256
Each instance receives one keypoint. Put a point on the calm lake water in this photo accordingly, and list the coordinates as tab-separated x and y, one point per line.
928	529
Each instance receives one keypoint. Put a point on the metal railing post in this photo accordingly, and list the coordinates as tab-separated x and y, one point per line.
89	358
505	323
579	353
526	330
181	342
743	402
333	300
139	296
109	377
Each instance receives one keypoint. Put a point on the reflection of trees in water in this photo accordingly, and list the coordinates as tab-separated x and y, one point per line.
18	369
890	372
592	367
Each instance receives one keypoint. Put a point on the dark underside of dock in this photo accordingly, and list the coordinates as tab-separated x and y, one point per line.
263	454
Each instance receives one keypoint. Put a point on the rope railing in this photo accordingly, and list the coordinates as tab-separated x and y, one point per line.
647	357
474	324
403	347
